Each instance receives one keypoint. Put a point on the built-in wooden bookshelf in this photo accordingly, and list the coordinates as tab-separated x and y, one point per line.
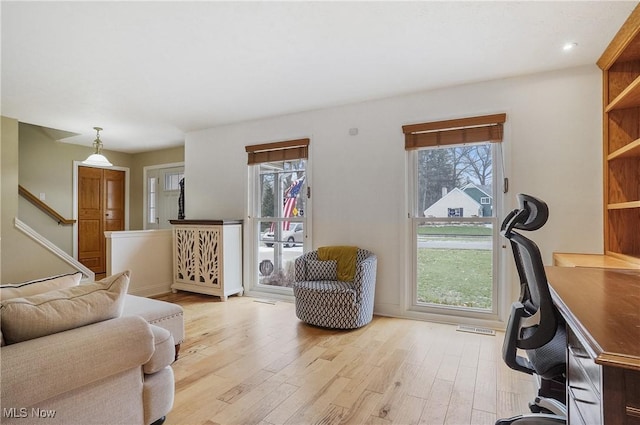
620	64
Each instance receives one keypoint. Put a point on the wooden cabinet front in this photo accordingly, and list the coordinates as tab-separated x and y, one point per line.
207	257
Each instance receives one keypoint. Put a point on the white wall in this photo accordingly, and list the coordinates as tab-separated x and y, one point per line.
148	254
22	258
552	150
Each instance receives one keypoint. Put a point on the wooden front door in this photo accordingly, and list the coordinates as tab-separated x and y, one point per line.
100	209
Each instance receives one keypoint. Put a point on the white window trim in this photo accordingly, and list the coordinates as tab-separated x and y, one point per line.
252	234
493	319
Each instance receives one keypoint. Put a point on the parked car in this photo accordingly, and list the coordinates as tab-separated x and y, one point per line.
291	237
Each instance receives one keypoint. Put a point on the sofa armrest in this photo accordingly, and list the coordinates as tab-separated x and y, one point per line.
36	370
164	351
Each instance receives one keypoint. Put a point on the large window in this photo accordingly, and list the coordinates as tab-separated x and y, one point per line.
453	221
279	216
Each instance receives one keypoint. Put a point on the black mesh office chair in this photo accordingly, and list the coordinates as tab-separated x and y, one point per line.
535	325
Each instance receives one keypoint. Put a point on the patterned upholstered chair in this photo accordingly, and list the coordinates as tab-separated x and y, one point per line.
331	303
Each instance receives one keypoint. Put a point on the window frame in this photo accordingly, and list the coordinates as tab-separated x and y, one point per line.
453	313
458	131
253	206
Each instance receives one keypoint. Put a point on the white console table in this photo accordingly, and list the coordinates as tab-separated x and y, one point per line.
207	257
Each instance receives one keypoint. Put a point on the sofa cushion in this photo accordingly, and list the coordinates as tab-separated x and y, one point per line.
322	270
39	286
326	293
167	315
56	311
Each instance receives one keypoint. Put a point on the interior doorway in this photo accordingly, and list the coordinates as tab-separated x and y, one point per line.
101	208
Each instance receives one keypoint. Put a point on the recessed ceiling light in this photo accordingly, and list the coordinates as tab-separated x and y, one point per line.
569	46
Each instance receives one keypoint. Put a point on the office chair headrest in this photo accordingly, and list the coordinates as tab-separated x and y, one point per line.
532	214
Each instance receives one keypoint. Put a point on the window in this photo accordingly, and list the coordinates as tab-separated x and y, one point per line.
455	212
172	180
152	195
279	219
453	182
162	192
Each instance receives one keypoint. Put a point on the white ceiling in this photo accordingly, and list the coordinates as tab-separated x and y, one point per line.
147	72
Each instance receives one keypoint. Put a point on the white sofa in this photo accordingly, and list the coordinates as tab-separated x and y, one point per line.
70	355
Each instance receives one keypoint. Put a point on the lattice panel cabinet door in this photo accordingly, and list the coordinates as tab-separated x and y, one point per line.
208	257
184	263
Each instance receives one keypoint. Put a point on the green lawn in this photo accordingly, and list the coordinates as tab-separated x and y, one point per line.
456	277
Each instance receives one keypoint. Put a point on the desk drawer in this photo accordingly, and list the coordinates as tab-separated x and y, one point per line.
574	413
581	359
632	396
582	395
584	384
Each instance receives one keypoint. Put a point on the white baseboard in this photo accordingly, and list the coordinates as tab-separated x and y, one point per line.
149	290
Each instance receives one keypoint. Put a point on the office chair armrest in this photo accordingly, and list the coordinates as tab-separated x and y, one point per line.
512	333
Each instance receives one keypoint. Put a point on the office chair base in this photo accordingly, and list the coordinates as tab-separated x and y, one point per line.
550	390
538	419
550	406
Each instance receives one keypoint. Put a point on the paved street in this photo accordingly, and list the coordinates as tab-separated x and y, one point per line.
288	254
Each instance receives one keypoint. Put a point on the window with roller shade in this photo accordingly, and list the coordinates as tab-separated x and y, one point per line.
454	194
279	200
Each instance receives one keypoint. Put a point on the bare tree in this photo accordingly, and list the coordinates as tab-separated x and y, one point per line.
448	168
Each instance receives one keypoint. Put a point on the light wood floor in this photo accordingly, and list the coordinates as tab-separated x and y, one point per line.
250	362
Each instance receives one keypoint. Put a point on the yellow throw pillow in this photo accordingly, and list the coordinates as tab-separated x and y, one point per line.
346	256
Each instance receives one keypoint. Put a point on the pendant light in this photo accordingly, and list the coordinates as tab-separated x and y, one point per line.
97	158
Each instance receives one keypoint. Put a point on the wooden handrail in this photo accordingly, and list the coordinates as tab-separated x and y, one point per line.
44	207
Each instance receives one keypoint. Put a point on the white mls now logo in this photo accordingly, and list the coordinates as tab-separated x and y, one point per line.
23	412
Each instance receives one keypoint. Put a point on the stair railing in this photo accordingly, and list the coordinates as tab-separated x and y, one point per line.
44	207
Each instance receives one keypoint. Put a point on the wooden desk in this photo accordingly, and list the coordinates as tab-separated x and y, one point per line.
602	311
566	259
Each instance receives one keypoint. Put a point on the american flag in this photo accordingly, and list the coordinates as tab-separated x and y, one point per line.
291	196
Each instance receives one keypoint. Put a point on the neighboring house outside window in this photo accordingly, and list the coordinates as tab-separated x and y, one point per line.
470	199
